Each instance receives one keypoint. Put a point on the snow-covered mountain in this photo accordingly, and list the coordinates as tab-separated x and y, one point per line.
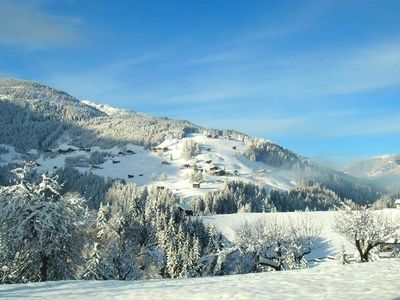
383	170
55	129
376	166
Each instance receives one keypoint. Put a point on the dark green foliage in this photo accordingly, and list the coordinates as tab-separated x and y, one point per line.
235	196
90	186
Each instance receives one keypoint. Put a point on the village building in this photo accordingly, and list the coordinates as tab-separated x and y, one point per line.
218	173
196	185
397	203
186	209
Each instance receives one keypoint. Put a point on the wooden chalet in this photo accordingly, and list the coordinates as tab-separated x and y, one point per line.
397	203
96	167
186	209
218	172
196	185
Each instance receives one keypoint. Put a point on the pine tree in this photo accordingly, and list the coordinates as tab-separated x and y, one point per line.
40	230
96	268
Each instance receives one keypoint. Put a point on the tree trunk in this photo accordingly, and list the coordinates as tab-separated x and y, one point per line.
360	252
44	267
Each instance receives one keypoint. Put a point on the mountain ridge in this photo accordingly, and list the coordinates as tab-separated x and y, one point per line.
36	116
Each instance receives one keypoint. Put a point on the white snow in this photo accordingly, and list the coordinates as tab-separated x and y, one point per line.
107	109
329	243
377	280
325	280
10	156
149	163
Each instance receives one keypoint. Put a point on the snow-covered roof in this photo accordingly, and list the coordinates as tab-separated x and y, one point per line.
185	206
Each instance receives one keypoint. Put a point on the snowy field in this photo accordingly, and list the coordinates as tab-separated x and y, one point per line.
325	280
377	280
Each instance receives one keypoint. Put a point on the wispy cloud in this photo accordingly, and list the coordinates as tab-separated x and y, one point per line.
324	125
28	25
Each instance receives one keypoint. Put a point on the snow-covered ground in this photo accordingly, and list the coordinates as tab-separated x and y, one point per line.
329	243
325	280
376	280
145	167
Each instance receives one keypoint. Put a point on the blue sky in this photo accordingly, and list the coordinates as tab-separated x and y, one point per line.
319	77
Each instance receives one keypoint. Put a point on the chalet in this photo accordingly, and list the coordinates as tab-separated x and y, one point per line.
160	188
165	162
116	161
208	161
32	152
130	152
196	185
141	174
66	151
186	209
234	147
96	167
121	153
397	203
218	173
131	176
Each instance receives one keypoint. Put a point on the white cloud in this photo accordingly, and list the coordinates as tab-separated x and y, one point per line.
28	25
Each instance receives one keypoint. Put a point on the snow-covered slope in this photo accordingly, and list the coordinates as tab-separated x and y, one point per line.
107	109
375	280
167	168
325	280
377	166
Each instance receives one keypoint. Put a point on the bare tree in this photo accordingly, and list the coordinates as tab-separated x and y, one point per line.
278	245
367	229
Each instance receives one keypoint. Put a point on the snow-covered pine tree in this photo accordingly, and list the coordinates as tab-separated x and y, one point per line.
96	268
40	230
